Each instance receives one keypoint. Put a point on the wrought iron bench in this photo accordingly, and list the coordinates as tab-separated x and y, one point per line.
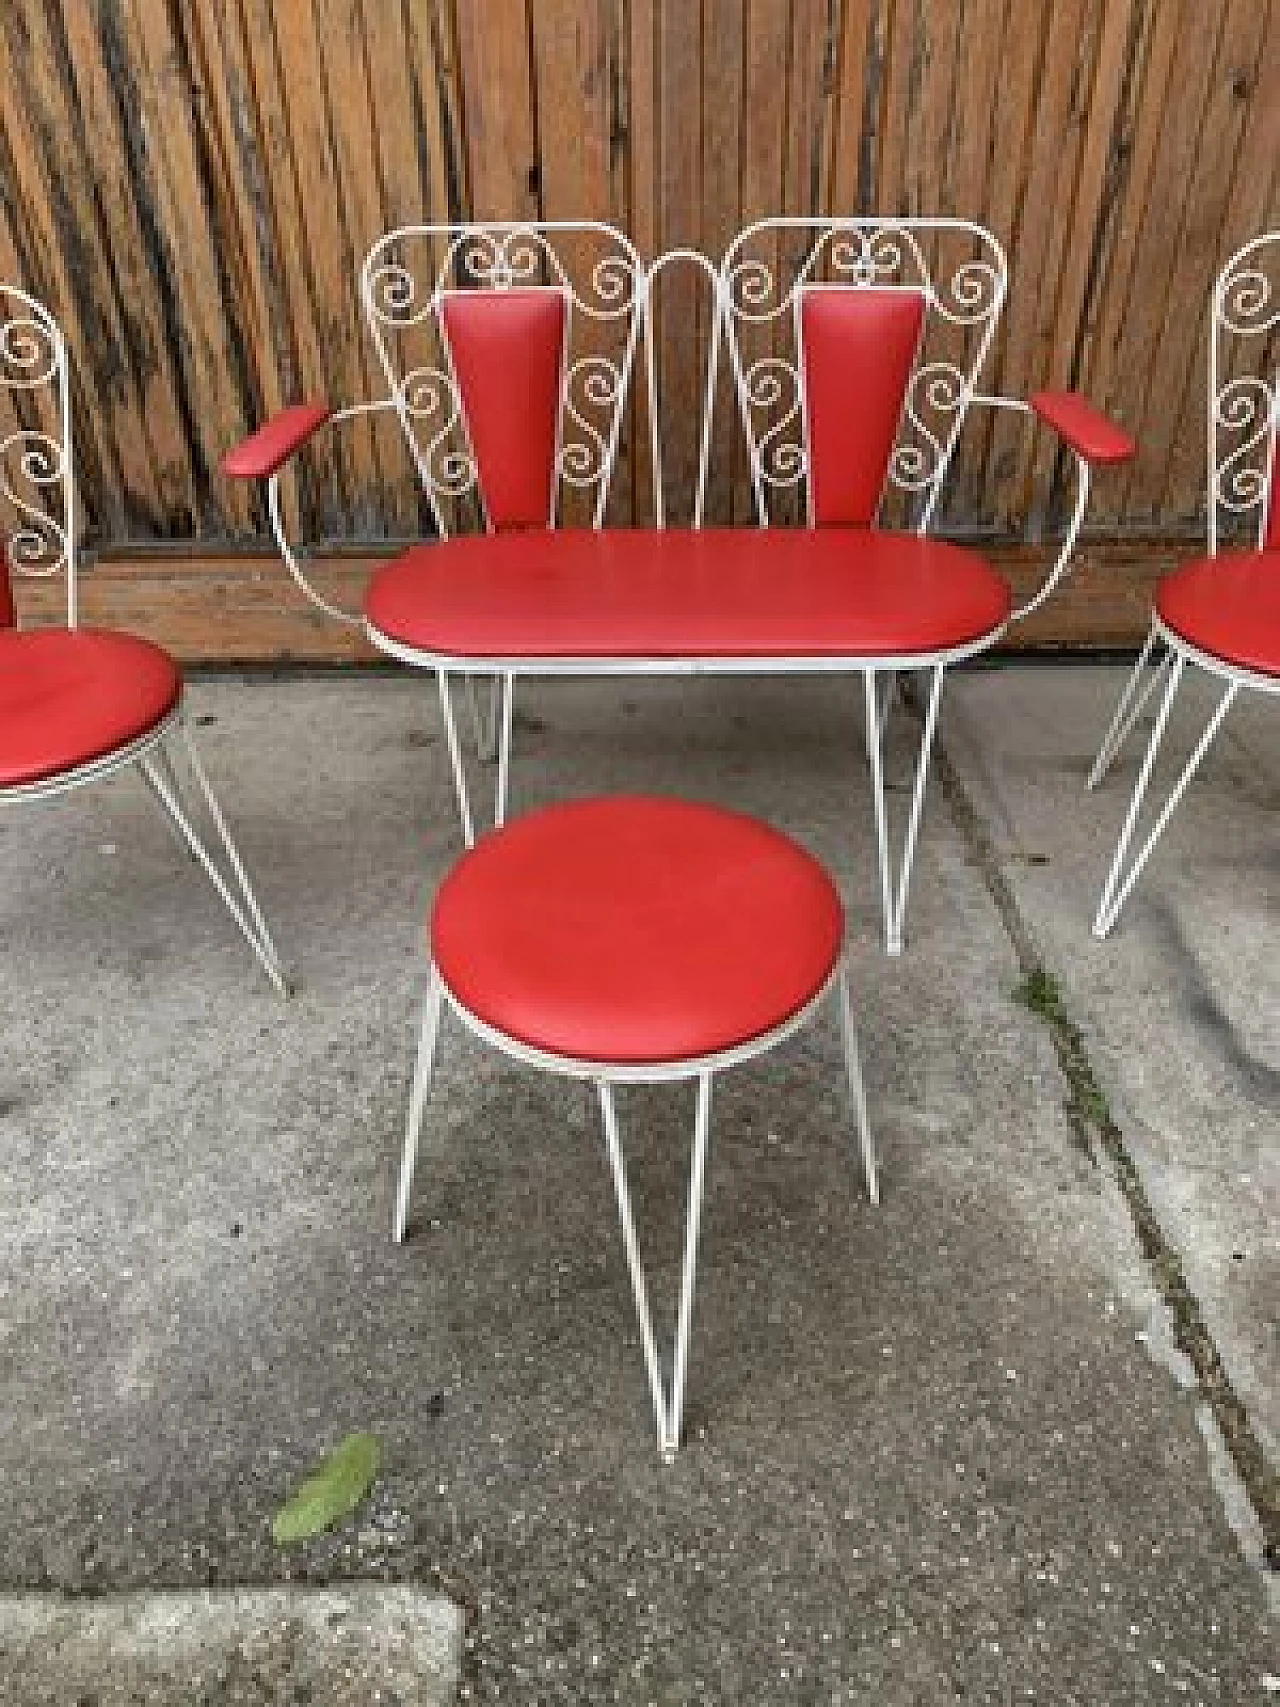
854	350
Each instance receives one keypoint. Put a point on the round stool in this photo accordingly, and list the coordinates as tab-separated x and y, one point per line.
635	939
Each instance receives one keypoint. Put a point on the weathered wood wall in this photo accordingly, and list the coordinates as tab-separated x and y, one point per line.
190	184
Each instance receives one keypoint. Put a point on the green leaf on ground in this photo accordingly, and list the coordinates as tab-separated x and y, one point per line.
335	1487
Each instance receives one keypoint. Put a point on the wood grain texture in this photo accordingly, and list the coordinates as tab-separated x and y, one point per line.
191	187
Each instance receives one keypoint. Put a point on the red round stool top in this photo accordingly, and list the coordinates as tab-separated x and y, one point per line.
1228	606
636	930
68	696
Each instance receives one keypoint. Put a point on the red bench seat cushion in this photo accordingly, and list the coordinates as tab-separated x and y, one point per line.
68	696
1227	606
716	593
636	930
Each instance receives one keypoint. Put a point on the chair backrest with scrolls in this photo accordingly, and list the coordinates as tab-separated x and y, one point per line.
507	350
855	345
1244	396
37	498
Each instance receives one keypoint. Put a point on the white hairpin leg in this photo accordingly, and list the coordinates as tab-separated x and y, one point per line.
857	1090
668	1410
501	723
455	758
894	896
1116	891
418	1100
504	686
1132	704
884	705
485	728
157	770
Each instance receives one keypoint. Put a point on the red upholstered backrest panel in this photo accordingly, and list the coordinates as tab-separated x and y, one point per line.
857	347
8	616
507	348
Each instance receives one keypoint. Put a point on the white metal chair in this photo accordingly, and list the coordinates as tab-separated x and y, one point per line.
78	705
1219	613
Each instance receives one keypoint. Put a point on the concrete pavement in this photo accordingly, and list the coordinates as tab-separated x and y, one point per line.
947	1450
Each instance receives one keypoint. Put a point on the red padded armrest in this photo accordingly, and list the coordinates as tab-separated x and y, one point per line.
1086	429
263	452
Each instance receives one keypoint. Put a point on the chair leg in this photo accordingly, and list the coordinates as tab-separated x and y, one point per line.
1132	704
157	770
668	1408
418	1100
894	895
1118	885
857	1089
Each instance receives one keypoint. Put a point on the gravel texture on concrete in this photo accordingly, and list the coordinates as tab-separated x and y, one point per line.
939	1451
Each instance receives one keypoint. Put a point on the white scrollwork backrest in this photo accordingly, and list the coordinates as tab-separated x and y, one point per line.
35	442
1244	391
401	285
960	270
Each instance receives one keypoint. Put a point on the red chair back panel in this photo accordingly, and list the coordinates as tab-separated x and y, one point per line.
857	349
507	349
8	616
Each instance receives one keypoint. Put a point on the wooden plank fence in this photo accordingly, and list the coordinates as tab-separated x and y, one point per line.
190	185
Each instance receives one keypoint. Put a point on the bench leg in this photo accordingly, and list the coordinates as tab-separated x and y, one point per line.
418	1100
233	886
1132	704
504	690
1118	885
893	894
668	1407
485	728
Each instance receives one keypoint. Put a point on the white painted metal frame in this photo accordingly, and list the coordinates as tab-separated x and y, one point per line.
667	1397
1243	422
37	478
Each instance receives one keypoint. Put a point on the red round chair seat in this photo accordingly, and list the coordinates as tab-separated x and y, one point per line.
69	696
636	930
1227	606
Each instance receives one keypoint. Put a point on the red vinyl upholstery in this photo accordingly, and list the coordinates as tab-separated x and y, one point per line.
71	695
262	453
857	348
507	348
8	616
1228	606
1086	429
634	929
715	593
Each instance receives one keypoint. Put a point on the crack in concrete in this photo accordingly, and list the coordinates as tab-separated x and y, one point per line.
1093	1125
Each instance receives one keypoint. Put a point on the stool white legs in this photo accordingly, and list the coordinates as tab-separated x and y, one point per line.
668	1401
668	1408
